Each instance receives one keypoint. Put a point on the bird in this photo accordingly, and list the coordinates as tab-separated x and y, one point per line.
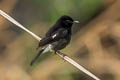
58	36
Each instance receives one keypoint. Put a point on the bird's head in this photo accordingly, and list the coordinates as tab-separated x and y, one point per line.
66	21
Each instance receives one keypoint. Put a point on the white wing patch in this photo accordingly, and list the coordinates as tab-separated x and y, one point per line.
54	36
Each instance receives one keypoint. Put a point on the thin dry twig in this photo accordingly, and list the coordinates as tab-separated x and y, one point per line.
62	55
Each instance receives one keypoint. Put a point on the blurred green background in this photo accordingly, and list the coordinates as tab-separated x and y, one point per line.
95	41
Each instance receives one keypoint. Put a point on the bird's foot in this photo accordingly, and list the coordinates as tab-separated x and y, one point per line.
55	52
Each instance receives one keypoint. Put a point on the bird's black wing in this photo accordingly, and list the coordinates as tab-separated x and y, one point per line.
59	34
52	30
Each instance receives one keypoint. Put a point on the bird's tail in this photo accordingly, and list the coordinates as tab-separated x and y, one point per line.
36	57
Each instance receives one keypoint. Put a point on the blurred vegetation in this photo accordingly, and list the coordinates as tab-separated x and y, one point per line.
95	43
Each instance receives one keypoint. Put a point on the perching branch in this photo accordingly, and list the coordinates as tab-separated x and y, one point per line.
62	55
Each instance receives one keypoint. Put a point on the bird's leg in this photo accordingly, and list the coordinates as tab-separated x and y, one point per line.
61	53
55	52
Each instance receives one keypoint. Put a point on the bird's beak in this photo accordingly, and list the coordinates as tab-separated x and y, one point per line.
76	22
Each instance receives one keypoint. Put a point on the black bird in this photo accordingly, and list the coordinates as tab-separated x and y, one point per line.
58	36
